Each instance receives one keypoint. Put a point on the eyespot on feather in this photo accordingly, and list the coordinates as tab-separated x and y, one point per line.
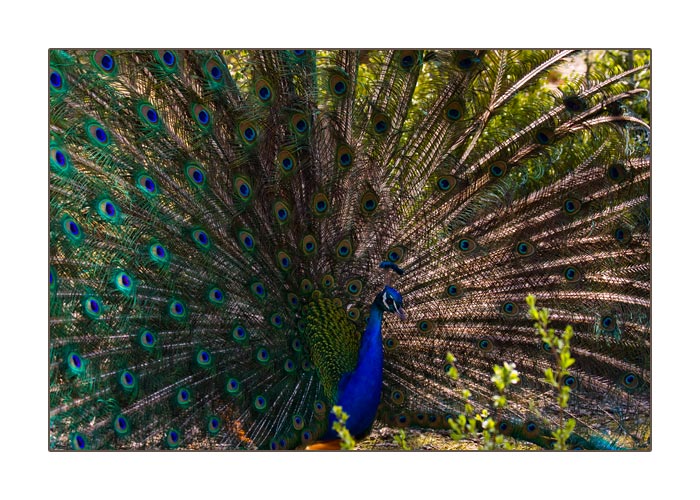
168	60
485	345
574	103
426	326
338	84
148	115
344	156
617	172
622	235
284	261
309	245
104	61
195	175
453	290
281	211
213	425
381	124
57	83
408	59
176	310
509	309
571	206
286	162
242	188
395	254
202	116
327	281
369	202
147	185
454	111
264	92
245	238
320	205
216	296
97	134
445	183
58	158
524	249
300	124
545	136
466	59
572	274
214	71
343	250
201	239
498	168
354	287
306	286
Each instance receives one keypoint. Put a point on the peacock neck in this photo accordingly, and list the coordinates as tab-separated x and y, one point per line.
371	356
360	390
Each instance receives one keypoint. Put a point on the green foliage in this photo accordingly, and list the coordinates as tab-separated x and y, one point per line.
560	349
617	61
502	377
347	442
400	439
482	426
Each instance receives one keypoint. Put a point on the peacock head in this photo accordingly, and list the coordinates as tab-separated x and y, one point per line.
390	300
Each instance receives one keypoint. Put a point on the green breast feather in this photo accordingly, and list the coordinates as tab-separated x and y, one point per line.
334	343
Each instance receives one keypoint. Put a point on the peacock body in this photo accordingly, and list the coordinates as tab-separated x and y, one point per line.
232	232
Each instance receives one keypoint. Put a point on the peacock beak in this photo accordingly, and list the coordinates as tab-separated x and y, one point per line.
401	313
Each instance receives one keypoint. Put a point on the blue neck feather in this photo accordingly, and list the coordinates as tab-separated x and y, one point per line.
359	391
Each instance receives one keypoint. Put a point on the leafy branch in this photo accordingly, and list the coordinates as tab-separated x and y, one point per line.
483	425
347	442
559	345
400	439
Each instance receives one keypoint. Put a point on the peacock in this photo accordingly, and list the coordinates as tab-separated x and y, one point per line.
242	240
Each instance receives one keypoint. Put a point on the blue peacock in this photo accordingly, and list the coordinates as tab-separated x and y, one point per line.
242	240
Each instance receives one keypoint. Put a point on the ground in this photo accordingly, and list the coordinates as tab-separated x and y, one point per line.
382	438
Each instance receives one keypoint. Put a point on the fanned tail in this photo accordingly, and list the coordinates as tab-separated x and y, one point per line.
205	206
